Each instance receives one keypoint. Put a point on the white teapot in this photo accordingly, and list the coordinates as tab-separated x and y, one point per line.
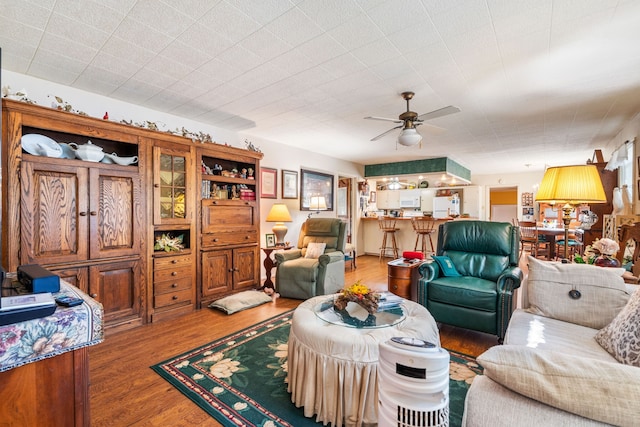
89	151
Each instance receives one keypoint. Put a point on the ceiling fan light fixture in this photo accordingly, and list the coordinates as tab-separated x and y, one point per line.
409	137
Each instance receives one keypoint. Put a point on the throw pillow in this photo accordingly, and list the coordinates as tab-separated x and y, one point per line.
446	265
601	292
240	301
592	388
621	337
314	250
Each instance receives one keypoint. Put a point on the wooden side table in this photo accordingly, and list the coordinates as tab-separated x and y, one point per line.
403	278
269	263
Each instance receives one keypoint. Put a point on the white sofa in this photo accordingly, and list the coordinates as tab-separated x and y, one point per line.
552	370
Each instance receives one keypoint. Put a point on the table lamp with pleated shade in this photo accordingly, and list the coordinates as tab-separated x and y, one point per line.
279	214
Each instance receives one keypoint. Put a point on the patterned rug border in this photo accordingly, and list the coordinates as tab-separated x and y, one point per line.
463	369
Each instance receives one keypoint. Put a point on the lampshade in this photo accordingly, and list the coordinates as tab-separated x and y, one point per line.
279	214
570	186
573	185
317	203
409	137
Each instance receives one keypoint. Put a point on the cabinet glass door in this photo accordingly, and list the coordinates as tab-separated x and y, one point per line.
171	184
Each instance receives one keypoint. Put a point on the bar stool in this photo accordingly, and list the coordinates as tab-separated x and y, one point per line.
388	227
423	227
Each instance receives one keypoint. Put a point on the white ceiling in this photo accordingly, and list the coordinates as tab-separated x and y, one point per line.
539	82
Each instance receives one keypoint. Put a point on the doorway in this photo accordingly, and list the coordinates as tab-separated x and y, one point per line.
503	202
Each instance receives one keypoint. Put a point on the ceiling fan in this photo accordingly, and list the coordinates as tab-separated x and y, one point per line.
409	134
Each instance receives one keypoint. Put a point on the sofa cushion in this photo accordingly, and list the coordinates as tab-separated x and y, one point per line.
466	291
621	337
603	391
446	265
314	250
602	292
545	333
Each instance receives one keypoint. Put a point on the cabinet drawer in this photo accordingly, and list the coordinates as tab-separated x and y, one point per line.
171	273
172	262
172	285
172	298
226	239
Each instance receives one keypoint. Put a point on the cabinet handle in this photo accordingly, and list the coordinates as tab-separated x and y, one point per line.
174	285
82	214
214	203
175	297
174	261
94	295
174	273
93	213
216	240
156	185
236	269
395	287
231	270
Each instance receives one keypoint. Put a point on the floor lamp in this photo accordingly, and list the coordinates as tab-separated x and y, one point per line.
569	187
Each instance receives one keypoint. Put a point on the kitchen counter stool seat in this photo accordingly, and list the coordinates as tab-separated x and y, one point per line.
388	227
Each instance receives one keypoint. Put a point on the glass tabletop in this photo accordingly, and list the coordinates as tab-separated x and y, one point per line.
355	316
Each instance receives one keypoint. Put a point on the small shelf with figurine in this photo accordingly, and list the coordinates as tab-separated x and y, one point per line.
224	179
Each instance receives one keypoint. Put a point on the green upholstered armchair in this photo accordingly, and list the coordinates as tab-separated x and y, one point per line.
300	277
485	254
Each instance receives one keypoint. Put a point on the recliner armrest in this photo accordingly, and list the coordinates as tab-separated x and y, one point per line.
512	274
330	257
287	255
429	271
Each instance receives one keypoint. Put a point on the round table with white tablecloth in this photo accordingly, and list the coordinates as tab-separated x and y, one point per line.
333	368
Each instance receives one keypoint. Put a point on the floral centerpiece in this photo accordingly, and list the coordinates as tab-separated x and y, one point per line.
169	244
359	294
601	252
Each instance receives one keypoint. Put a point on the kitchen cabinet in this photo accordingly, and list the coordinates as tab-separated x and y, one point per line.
388	199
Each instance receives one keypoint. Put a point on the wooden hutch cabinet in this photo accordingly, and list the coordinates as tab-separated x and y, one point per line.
95	224
229	223
80	219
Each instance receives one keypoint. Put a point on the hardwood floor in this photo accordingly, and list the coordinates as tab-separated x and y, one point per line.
126	392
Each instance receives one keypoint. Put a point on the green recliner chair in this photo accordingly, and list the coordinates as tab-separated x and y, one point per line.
301	277
475	289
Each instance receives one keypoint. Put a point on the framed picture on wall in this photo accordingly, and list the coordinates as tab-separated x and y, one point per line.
268	183
316	186
289	184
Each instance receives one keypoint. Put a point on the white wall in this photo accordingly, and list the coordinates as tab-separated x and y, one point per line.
278	156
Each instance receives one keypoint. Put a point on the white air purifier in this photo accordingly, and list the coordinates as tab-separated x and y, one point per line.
413	384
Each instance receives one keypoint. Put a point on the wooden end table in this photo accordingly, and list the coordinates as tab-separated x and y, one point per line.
403	278
269	263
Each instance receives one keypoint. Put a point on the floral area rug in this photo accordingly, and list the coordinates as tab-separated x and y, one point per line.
240	379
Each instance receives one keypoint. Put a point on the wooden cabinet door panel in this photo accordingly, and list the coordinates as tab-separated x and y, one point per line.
54	207
78	277
228	216
217	272
114	214
245	261
117	287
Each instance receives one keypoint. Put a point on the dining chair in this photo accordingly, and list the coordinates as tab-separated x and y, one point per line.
529	237
575	244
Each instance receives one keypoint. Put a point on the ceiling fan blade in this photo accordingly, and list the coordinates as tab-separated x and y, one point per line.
439	113
432	129
384	133
383	118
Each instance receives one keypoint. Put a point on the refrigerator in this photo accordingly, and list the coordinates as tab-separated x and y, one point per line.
446	206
